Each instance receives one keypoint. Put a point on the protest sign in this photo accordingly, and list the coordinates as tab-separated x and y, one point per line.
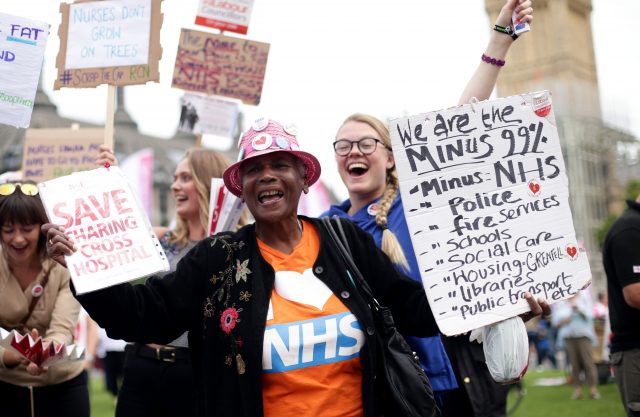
208	115
225	209
104	218
485	196
22	44
220	65
53	153
226	15
114	42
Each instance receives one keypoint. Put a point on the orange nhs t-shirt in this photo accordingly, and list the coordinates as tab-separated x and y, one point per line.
312	342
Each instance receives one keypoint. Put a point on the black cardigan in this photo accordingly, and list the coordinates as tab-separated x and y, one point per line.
207	281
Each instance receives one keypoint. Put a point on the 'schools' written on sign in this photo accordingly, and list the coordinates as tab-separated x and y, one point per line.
22	46
220	65
485	195
108	34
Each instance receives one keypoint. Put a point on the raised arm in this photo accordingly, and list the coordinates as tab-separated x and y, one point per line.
484	78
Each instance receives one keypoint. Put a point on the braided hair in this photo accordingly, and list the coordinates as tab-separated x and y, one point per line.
390	244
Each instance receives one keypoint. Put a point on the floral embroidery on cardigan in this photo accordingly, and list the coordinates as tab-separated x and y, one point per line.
228	319
236	272
242	270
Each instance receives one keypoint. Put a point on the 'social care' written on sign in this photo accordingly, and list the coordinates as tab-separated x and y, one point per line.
22	45
114	238
108	34
220	65
485	195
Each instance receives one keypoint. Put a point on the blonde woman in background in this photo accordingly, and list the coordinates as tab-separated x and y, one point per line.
366	165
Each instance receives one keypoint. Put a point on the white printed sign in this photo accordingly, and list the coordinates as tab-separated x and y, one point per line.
22	45
225	209
209	115
108	34
225	15
485	195
101	214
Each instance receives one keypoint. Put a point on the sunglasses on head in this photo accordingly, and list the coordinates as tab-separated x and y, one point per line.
10	188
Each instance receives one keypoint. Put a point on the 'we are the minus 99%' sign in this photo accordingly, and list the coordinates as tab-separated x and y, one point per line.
485	195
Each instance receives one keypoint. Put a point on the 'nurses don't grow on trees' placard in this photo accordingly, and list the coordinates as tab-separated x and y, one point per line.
485	195
114	42
108	225
22	45
220	65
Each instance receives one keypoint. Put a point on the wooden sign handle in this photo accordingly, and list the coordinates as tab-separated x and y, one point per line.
109	120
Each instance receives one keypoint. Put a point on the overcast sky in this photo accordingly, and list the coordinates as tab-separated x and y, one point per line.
331	58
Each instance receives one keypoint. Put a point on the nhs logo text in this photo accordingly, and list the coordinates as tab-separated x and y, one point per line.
313	342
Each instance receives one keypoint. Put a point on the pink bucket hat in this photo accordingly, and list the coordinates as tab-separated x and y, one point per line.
266	136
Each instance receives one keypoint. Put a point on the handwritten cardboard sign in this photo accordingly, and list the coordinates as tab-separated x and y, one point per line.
53	153
114	238
22	45
114	42
226	15
220	65
485	195
209	115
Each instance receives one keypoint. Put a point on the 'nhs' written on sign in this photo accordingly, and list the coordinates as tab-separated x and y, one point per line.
313	342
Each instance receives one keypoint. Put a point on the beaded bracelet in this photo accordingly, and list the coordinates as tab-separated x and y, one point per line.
493	61
506	30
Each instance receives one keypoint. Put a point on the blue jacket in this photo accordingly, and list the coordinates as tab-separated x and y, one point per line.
430	350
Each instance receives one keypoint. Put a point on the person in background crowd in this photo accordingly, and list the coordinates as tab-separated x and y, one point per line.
259	301
111	354
366	165
574	319
545	343
621	259
35	298
600	308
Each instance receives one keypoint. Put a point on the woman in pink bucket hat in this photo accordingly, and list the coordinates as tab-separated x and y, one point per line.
267	136
276	326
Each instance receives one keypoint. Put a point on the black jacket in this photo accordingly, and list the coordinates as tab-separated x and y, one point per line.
621	259
213	278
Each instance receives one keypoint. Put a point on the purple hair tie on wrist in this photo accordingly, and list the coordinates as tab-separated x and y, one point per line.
493	61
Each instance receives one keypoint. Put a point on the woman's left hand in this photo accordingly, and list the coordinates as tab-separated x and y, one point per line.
538	307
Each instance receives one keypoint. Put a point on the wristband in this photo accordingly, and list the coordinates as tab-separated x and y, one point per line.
506	30
493	61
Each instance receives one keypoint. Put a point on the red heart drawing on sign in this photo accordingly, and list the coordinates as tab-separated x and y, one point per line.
572	251
534	187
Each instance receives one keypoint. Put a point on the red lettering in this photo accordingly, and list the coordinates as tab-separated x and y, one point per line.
120	202
57	211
